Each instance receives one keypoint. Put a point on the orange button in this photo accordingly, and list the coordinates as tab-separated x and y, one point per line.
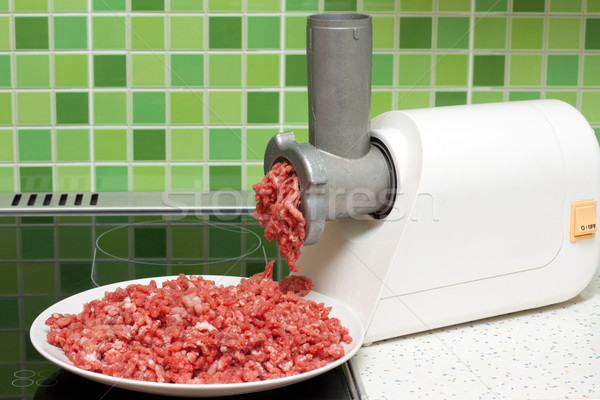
583	220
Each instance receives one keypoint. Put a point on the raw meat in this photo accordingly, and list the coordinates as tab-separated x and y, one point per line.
192	331
277	209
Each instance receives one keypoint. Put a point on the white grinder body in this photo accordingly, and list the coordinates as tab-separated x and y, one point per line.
481	223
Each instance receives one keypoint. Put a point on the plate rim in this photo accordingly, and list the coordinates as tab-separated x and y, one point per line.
38	331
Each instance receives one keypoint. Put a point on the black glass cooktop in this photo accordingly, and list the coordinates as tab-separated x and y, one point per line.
45	259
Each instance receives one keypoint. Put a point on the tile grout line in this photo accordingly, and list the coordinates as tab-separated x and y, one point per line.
13	58
91	86
168	123
205	108
471	60
580	67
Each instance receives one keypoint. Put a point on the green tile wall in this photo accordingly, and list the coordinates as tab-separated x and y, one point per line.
117	95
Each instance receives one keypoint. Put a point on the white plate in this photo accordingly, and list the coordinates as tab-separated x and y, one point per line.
74	304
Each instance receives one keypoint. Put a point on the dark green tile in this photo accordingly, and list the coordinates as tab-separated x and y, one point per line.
10	346
149	145
225	144
226	268
37	243
150	242
383	70
225	32
592	33
149	107
111	272
111	178
112	242
562	70
31	354
491	5
187	269
8	238
258	238
112	219
452	33
524	95
147	5
33	306
38	278
75	277
9	282
74	243
110	71
263	107
450	98
225	177
529	6
72	108
415	32
31	33
9	313
187	242
37	221
148	271
295	70
340	5
488	70
224	242
253	268
35	179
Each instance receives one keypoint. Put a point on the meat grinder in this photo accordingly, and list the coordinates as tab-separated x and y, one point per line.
425	218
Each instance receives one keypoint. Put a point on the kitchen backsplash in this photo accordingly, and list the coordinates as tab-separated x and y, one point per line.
154	95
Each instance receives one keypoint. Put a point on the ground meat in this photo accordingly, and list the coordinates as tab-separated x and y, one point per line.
192	331
300	285
277	209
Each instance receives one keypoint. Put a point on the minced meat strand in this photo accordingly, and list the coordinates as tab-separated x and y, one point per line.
300	285
191	330
277	209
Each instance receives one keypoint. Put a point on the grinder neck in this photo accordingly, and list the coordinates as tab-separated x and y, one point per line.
339	49
341	173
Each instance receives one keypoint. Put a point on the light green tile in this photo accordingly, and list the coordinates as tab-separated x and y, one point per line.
490	33
187	32
451	70
527	33
33	108
568	97
6	145
256	142
5	33
295	32
147	33
148	70
69	5
564	33
416	5
149	178
72	145
590	106
70	70
263	5
454	5
525	70
33	70
225	70
73	178
186	5
486	97
262	70
31	5
412	99
591	70
187	177
565	6
225	107
381	101
187	144
254	174
7	180
383	32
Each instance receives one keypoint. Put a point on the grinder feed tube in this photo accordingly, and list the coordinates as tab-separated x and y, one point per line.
341	172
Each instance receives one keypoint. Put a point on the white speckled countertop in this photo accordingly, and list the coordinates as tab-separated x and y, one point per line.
551	352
